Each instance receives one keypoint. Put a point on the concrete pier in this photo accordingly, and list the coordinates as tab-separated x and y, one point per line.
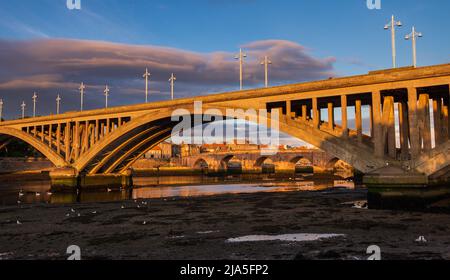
69	179
392	188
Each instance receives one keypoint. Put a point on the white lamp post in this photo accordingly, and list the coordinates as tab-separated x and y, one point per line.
34	104
106	91
82	88
58	104
1	109
241	57
392	25
413	36
23	109
266	62
146	76
172	83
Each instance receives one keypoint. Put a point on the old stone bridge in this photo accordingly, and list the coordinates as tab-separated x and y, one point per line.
283	161
407	144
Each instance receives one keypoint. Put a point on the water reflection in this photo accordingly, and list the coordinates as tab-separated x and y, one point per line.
166	187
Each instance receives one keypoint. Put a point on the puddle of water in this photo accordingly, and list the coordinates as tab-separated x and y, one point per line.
207	232
301	237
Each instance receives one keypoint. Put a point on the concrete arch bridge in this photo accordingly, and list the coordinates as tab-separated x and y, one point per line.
106	142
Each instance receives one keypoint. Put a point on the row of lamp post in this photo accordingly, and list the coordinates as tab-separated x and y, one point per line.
412	36
392	25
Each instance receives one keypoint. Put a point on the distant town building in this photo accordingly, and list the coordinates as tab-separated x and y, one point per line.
161	151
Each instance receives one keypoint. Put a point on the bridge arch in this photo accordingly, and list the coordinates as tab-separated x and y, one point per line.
54	158
262	160
225	161
331	163
121	148
201	164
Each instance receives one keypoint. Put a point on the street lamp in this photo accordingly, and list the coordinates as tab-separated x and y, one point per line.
266	62
240	57
1	110
58	104
146	76
82	88
391	25
172	83
106	91
413	36
34	104
23	109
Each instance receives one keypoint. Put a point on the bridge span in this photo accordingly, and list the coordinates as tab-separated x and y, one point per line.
407	144
253	161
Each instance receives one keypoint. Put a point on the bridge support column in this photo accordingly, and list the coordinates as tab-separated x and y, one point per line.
404	129
358	120
316	113
424	121
389	126
393	188
377	131
67	178
437	117
289	110
304	113
330	116
414	138
445	115
344	116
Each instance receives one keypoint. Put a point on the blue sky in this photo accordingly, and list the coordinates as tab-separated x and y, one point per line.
346	30
314	39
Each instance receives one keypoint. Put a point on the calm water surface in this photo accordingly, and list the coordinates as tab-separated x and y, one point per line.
164	187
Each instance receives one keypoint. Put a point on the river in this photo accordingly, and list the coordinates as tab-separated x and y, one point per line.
39	191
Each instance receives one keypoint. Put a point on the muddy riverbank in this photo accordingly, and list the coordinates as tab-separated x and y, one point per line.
198	228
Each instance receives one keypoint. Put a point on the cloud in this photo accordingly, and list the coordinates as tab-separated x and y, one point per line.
51	66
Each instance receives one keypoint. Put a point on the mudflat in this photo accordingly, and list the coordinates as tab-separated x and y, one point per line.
199	228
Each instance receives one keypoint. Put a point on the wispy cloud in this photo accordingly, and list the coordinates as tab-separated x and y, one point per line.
19	27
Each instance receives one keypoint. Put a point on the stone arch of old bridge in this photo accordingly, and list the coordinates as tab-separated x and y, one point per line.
108	141
253	161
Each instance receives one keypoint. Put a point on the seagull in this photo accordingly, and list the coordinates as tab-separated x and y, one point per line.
123	207
109	190
68	215
95	212
49	193
72	210
18	222
144	223
421	239
38	194
21	193
79	215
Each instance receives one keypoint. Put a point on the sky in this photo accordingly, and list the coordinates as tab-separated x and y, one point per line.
49	49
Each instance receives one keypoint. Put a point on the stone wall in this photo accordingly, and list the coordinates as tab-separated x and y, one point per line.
11	165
